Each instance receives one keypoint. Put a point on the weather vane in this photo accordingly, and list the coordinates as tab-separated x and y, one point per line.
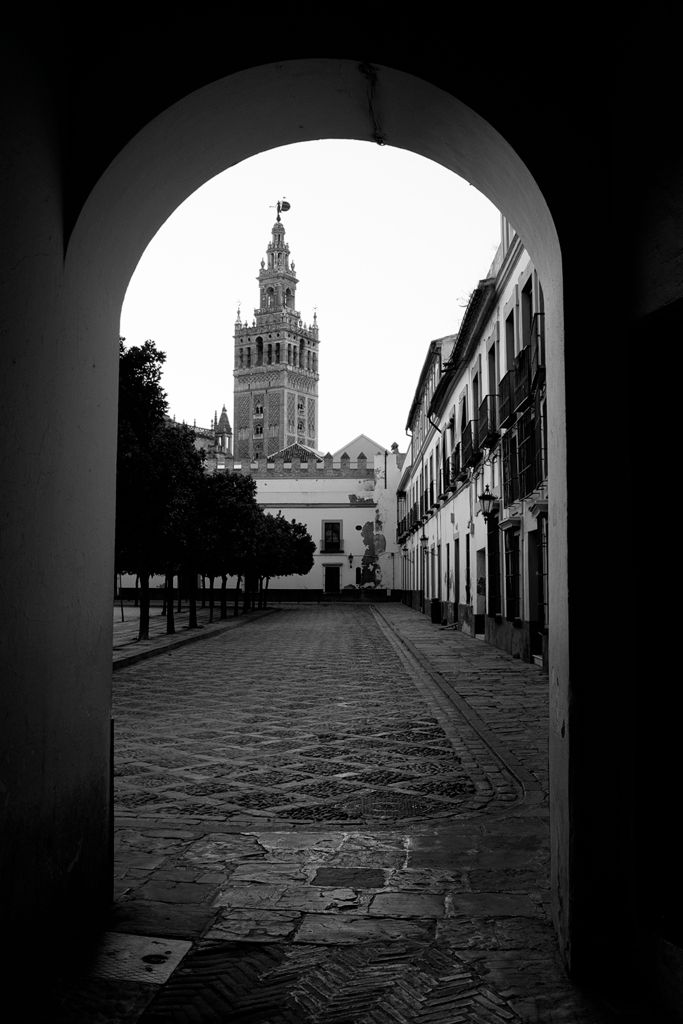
282	206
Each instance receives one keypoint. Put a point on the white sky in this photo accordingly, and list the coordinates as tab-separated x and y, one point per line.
387	246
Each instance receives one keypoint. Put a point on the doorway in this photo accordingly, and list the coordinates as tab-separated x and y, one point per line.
332	579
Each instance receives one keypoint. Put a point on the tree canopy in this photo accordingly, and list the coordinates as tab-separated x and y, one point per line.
171	518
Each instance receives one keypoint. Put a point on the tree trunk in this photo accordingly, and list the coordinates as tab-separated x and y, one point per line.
224	597
204	590
137	591
248	585
211	579
265	592
192	584
170	621
236	609
143	628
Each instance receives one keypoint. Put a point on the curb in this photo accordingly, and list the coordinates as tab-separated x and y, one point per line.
511	762
201	633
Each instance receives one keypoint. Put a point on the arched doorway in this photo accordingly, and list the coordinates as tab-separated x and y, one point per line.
220	125
73	479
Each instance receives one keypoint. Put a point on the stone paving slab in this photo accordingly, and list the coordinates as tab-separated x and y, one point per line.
344	811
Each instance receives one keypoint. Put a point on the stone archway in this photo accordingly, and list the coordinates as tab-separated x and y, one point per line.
200	136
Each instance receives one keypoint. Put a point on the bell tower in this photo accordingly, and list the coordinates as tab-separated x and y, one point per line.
276	362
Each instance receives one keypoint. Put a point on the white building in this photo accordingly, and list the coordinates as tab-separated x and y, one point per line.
478	427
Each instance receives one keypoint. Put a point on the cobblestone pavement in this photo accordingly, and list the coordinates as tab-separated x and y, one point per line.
330	814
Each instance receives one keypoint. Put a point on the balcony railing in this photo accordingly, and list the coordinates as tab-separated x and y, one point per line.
470	447
506	412
488	426
522	385
331	548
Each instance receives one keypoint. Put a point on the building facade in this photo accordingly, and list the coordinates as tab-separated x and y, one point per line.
276	363
478	428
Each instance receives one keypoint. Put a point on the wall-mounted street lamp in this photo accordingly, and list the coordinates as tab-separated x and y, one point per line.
424	540
487	502
350	561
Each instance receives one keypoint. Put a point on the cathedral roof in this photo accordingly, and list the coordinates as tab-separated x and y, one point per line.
223	425
297	450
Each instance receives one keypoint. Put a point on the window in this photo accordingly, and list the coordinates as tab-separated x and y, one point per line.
493	371
258	409
526	455
510	472
512	574
510	341
527	312
331	540
493	566
258	429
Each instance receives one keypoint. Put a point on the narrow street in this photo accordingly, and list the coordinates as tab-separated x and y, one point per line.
330	814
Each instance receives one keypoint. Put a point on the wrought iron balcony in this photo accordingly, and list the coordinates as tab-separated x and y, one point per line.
488	426
470	446
506	412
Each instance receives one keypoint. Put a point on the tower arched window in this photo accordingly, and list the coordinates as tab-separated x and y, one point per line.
308	360
270	297
277	352
289	298
289	354
259	351
315	362
249	356
241	357
301	354
270	354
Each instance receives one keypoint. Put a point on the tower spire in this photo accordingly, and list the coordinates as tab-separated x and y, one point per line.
276	361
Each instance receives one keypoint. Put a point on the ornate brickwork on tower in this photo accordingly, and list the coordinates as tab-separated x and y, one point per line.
276	363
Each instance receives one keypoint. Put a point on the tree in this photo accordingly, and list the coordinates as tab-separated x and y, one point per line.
282	548
159	474
142	408
178	489
229	515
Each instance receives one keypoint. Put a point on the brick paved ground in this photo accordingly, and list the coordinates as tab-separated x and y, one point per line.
330	814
